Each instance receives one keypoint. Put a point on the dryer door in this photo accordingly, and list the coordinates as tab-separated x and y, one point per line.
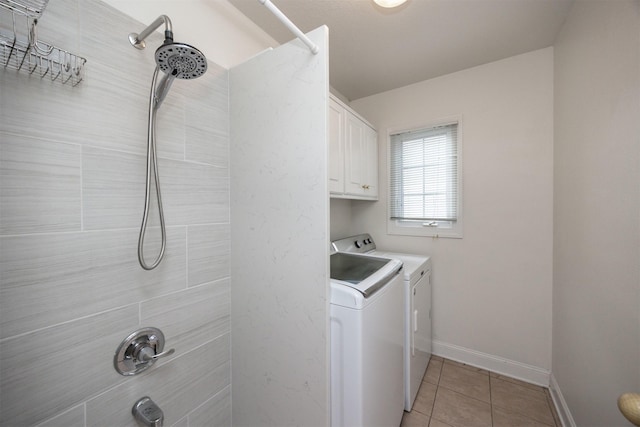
421	320
420	333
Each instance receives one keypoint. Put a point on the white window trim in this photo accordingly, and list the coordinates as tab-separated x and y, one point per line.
403	227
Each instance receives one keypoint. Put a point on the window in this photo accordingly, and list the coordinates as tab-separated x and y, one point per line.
425	182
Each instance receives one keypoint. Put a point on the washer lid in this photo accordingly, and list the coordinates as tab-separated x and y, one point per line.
364	273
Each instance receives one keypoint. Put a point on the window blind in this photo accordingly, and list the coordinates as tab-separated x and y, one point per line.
424	174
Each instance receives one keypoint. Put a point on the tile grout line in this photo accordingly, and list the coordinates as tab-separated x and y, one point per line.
433	405
491	401
81	190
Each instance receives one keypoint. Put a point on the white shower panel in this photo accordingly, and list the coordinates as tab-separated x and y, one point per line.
280	236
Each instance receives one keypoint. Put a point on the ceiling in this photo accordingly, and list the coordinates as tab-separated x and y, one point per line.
372	50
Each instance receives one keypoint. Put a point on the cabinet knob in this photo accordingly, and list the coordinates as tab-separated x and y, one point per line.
366	187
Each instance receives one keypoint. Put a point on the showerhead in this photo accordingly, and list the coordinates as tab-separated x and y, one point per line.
181	60
176	60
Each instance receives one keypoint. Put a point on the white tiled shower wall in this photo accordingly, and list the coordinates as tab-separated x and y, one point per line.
72	164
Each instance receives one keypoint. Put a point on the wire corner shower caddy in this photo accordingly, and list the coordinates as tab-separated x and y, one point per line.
21	50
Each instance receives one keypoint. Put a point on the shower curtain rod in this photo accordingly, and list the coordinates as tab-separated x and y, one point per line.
290	25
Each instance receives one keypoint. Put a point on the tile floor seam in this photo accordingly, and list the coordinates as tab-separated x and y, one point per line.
433	404
491	401
464	396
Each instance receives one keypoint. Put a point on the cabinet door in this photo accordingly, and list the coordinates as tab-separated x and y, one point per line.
336	147
355	154
371	162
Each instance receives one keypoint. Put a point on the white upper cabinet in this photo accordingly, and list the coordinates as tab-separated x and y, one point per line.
336	147
353	155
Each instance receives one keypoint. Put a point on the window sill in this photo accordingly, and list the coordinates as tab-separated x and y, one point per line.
454	232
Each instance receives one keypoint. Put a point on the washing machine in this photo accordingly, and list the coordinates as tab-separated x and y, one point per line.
416	313
366	298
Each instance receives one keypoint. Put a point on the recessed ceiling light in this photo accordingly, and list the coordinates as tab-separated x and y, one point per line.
389	3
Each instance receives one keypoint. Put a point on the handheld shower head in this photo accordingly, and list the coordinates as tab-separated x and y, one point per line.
181	60
177	61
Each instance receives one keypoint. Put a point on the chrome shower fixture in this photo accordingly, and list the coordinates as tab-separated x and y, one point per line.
137	40
180	60
176	61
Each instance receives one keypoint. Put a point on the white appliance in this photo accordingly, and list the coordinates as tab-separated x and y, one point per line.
417	309
366	341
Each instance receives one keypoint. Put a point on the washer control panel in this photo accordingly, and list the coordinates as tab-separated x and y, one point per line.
360	243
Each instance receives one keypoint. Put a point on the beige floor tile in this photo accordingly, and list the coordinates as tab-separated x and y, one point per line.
414	419
436	423
472	383
521	400
465	366
458	395
433	371
459	410
554	412
516	381
504	418
425	398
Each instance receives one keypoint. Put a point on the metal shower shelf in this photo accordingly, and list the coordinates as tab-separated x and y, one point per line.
32	8
27	53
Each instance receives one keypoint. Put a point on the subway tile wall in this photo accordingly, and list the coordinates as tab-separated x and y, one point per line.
72	173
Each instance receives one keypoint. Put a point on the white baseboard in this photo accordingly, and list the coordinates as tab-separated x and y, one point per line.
561	404
499	365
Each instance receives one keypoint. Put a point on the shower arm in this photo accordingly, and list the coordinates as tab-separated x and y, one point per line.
137	40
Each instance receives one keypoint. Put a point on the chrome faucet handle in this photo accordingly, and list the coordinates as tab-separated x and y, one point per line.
147	354
139	351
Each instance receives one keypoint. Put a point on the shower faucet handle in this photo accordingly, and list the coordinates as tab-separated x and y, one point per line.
139	351
147	354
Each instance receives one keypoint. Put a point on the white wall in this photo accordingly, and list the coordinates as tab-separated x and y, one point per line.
340	218
492	289
215	27
596	298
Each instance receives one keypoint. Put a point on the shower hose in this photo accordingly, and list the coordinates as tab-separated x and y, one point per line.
152	169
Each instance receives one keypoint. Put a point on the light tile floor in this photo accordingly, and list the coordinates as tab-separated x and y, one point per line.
453	394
